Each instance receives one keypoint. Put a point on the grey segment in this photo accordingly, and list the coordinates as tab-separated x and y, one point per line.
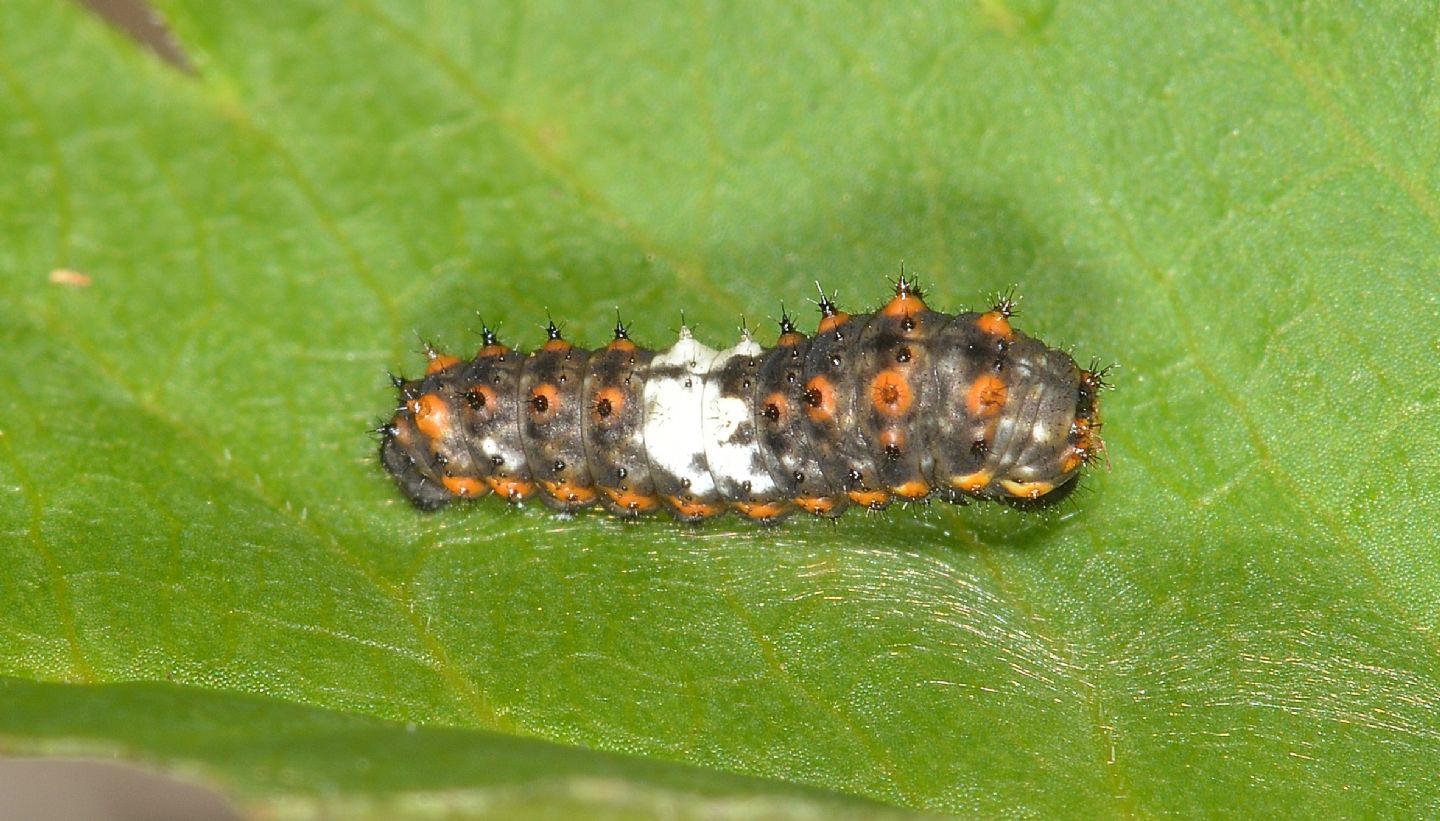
552	384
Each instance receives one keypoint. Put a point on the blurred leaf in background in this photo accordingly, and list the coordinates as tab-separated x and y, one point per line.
204	276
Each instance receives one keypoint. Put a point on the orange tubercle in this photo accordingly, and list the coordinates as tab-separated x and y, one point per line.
995	323
465	486
780	405
432	415
890	392
513	489
904	303
818	505
481	397
544	401
832	322
986	396
913	491
874	499
632	501
1026	490
569	492
820	399
761	510
693	508
607	404
439	362
972	482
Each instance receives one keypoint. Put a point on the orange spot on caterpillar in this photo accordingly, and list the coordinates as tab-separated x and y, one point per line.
569	492
818	505
440	362
995	323
631	501
832	322
761	511
432	415
972	482
1026	490
986	396
465	487
607	406
513	489
820	399
890	392
693	508
873	499
905	303
544	402
913	491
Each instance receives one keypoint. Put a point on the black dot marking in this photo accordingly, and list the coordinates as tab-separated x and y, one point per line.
903	355
771	412
892	452
603	408
539	403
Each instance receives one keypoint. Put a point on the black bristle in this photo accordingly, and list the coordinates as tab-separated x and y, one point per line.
787	325
1006	303
487	336
826	304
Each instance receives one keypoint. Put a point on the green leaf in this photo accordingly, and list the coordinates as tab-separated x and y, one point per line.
1235	201
303	762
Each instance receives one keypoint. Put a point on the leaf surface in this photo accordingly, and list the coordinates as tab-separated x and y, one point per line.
1232	200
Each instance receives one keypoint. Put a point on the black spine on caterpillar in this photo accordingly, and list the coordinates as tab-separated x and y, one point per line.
900	404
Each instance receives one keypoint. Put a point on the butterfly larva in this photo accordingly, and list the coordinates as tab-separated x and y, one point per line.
903	403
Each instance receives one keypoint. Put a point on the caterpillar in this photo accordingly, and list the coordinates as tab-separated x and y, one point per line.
901	404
